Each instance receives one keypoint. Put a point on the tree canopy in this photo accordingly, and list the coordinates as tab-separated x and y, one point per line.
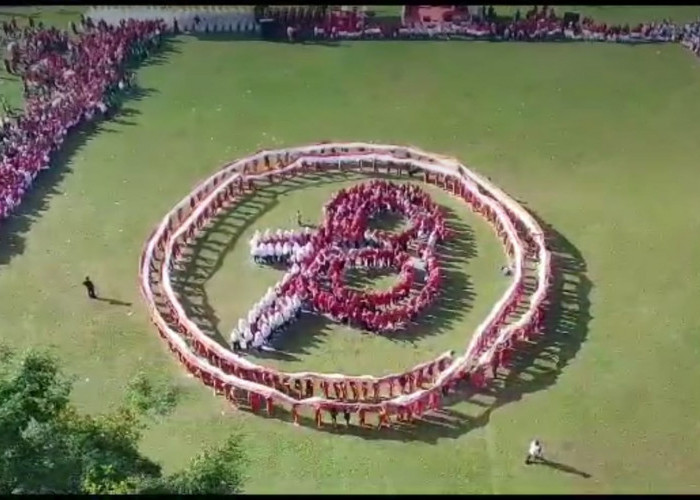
47	446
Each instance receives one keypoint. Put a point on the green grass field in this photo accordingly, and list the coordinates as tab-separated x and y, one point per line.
600	141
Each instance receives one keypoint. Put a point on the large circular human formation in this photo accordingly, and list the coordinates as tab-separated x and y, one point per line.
317	260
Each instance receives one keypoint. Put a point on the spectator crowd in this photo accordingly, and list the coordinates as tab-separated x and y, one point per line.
70	78
537	24
66	80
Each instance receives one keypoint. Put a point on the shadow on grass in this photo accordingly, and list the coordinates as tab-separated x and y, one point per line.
114	302
307	333
223	36
536	367
14	229
455	38
220	237
170	45
227	36
563	468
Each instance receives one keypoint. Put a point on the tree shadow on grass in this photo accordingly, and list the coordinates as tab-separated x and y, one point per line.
307	333
18	14
227	36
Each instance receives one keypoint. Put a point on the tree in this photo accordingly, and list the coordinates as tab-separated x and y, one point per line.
47	446
216	470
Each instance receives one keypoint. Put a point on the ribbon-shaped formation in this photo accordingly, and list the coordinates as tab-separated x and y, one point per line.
319	259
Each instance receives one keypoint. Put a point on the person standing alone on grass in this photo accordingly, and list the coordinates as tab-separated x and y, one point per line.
90	287
534	454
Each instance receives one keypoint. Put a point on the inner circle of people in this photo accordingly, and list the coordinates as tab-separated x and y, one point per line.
318	258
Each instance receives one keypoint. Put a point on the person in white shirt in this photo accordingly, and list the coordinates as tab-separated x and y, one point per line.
235	341
258	340
268	250
279	248
277	320
432	240
534	453
265	332
248	335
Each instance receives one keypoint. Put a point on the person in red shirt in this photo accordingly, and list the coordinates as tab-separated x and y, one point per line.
383	418
295	414
318	416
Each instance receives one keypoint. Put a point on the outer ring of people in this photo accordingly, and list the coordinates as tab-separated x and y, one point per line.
517	316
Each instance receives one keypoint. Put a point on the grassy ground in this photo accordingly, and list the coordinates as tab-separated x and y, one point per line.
222	283
601	142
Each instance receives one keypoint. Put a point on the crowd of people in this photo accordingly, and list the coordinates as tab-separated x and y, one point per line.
319	260
535	25
72	79
265	319
67	81
281	246
367	395
190	19
379	311
691	37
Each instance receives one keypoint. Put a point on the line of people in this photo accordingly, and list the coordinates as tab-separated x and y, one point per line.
66	82
279	247
380	311
188	20
535	25
691	37
264	320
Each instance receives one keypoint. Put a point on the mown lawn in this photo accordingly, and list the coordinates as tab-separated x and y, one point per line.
599	140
